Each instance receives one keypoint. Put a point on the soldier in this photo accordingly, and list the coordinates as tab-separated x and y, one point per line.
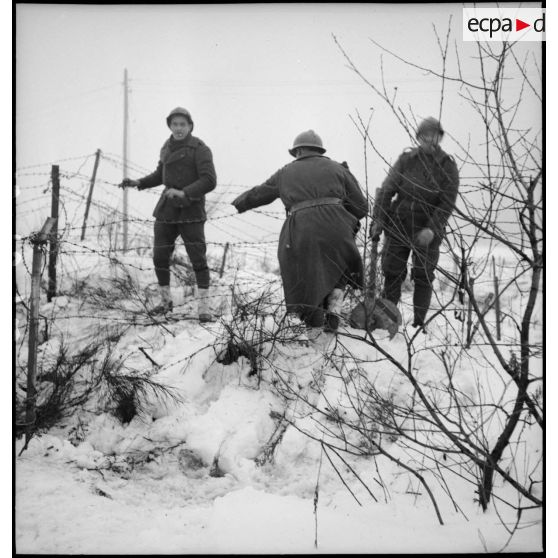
412	208
318	256
186	169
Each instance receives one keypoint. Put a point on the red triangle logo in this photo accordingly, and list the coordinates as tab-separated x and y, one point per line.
519	25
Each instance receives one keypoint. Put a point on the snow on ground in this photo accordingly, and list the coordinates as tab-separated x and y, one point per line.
182	476
64	508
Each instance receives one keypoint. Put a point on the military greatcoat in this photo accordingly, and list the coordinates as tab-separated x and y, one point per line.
317	242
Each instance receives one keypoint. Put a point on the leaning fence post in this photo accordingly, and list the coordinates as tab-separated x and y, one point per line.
222	270
496	299
38	240
90	195
53	253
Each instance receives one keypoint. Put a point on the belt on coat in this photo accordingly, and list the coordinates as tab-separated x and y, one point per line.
306	204
313	203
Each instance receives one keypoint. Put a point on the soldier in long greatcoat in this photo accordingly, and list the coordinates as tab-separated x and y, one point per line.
318	256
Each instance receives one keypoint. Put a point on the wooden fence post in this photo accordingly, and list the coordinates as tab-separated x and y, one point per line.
496	300
90	195
222	270
38	240
53	253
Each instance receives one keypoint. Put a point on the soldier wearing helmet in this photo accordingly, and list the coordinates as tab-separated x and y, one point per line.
412	208
317	252
186	169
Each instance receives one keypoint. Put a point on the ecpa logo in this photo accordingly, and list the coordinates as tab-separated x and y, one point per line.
504	24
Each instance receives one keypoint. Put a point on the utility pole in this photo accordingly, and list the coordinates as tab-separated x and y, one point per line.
125	163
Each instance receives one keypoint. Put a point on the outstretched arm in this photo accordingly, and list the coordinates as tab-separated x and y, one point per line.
259	195
153	179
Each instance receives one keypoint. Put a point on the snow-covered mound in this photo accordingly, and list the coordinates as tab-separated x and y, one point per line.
240	435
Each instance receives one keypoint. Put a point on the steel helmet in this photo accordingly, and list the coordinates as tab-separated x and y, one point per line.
179	111
430	124
307	139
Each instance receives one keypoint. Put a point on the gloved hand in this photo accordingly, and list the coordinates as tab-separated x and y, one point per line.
424	237
129	183
177	197
238	203
173	193
375	231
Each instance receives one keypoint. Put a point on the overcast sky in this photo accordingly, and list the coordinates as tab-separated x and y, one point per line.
253	76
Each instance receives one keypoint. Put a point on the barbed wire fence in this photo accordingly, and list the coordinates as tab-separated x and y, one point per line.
251	238
108	218
246	239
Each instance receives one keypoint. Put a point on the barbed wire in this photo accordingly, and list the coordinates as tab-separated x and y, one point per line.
49	173
111	253
121	218
87	249
50	163
117	217
24	202
35	186
118	161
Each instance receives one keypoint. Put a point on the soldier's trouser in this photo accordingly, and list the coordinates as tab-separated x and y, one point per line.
194	240
394	265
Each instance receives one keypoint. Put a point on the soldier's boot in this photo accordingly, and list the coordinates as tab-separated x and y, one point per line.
204	311
165	301
421	303
334	306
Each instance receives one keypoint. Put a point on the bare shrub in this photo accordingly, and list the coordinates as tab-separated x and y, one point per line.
90	378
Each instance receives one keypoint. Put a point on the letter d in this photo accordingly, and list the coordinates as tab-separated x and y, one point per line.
538	26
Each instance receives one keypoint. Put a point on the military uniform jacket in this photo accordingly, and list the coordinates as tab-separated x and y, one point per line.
185	165
419	192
